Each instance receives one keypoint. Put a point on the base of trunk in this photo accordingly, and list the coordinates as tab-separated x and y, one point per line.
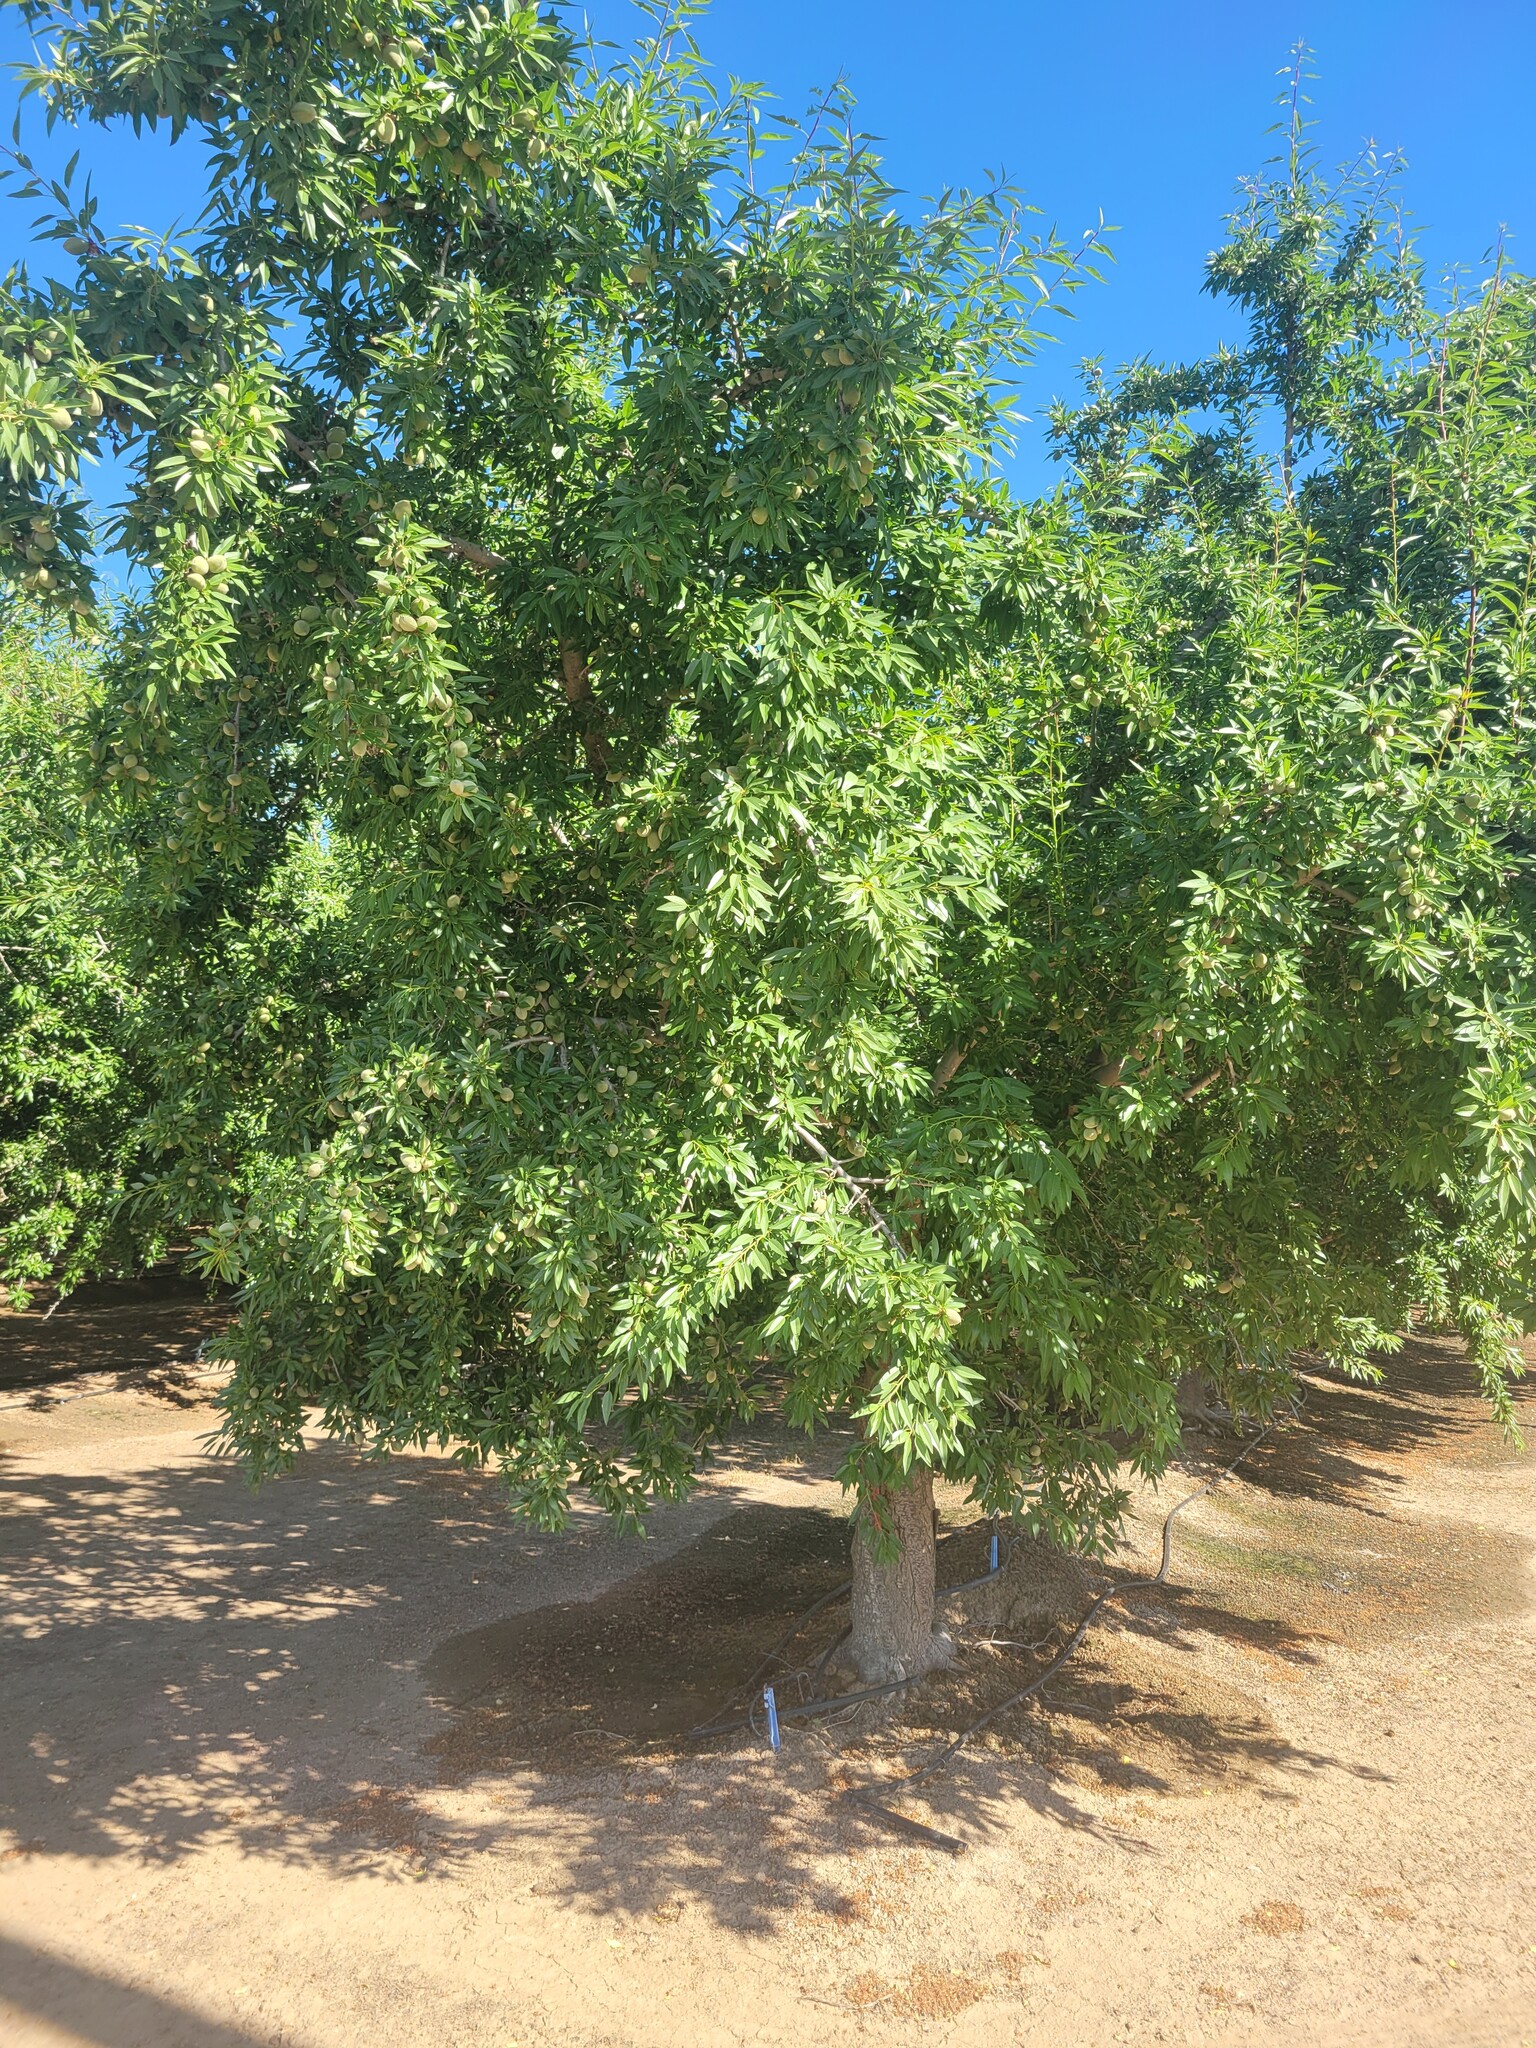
1199	1404
893	1634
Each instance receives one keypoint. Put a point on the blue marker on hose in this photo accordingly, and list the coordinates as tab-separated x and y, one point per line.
775	1740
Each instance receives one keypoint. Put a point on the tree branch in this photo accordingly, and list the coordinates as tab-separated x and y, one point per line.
1200	1086
848	1181
1309	876
758	378
300	448
948	1067
471	551
577	682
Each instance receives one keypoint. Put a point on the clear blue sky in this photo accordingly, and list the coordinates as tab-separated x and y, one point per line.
1146	109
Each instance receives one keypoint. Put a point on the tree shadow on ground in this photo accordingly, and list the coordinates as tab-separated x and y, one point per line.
1184	1618
754	1837
85	2006
305	1675
196	1666
191	1663
762	1842
1351	1442
113	1346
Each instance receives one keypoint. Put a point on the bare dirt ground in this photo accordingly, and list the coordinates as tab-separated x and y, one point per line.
113	1334
358	1760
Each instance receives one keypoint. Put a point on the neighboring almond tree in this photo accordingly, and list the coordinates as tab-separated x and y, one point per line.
797	925
70	1087
103	1059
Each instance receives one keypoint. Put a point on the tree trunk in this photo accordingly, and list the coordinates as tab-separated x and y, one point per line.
1198	1402
893	1633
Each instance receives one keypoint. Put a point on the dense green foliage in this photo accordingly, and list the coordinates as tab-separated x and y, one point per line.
1342	871
70	1090
656	882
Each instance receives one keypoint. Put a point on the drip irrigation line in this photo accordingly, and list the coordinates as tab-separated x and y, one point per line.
804	1709
904	1824
1004	1559
864	1797
775	1655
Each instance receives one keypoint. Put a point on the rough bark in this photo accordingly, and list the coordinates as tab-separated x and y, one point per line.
893	1632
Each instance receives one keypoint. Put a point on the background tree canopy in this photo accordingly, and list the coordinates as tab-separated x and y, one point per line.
71	1089
654	884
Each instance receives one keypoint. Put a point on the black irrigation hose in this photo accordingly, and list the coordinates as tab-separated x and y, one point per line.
830	1706
986	1578
805	1709
864	1797
775	1655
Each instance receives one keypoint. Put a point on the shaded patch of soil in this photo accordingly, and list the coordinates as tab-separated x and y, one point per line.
1281	1580
194	1657
117	1336
575	1684
1260	1570
584	1686
1356	1443
385	1815
1123	1715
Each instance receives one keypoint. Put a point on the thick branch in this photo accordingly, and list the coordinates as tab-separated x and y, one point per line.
576	680
758	378
471	551
948	1067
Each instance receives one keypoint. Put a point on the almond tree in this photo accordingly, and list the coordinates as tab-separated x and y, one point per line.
795	924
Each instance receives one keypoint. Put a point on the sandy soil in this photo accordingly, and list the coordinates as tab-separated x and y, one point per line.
357	1760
